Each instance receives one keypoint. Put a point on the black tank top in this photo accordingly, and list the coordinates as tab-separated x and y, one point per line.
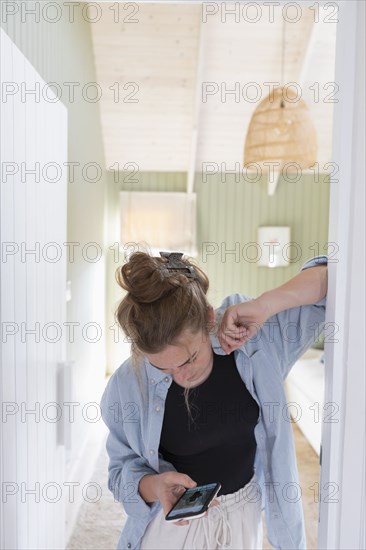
220	444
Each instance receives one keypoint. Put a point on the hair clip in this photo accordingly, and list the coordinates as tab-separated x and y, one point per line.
175	263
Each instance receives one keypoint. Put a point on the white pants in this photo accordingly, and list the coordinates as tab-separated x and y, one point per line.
235	523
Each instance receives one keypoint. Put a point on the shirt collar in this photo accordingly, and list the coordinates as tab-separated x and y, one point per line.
216	344
219	313
155	375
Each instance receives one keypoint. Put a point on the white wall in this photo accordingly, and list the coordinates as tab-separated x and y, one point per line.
342	506
33	213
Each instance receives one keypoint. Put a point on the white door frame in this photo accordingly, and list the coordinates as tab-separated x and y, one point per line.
342	501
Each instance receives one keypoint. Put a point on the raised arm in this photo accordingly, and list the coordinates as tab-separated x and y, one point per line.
308	287
242	321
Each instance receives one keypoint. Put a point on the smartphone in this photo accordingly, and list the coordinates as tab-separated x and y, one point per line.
194	502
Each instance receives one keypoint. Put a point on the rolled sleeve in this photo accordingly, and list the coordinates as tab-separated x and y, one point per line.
314	262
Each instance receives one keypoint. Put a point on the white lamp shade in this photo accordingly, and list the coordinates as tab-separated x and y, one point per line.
163	221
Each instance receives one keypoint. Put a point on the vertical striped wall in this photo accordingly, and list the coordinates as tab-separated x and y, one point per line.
229	215
33	313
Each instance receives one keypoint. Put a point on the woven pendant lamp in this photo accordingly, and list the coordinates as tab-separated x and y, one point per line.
281	129
282	132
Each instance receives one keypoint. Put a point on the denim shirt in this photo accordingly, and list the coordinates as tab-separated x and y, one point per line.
132	407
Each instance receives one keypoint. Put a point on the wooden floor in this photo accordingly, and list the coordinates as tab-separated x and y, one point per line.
309	473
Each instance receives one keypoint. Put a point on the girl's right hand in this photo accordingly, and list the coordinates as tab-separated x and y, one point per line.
169	486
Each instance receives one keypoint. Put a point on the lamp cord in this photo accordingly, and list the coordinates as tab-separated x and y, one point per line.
283	57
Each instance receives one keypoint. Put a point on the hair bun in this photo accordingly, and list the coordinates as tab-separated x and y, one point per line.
147	279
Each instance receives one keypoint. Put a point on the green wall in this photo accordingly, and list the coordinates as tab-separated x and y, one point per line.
228	216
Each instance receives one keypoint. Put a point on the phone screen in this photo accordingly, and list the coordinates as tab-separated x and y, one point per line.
194	500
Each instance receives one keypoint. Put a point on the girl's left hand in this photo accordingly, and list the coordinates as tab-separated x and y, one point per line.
240	323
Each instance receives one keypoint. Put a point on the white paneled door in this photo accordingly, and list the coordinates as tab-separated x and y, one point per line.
33	204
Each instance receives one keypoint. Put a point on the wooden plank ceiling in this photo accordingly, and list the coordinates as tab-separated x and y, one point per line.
169	53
